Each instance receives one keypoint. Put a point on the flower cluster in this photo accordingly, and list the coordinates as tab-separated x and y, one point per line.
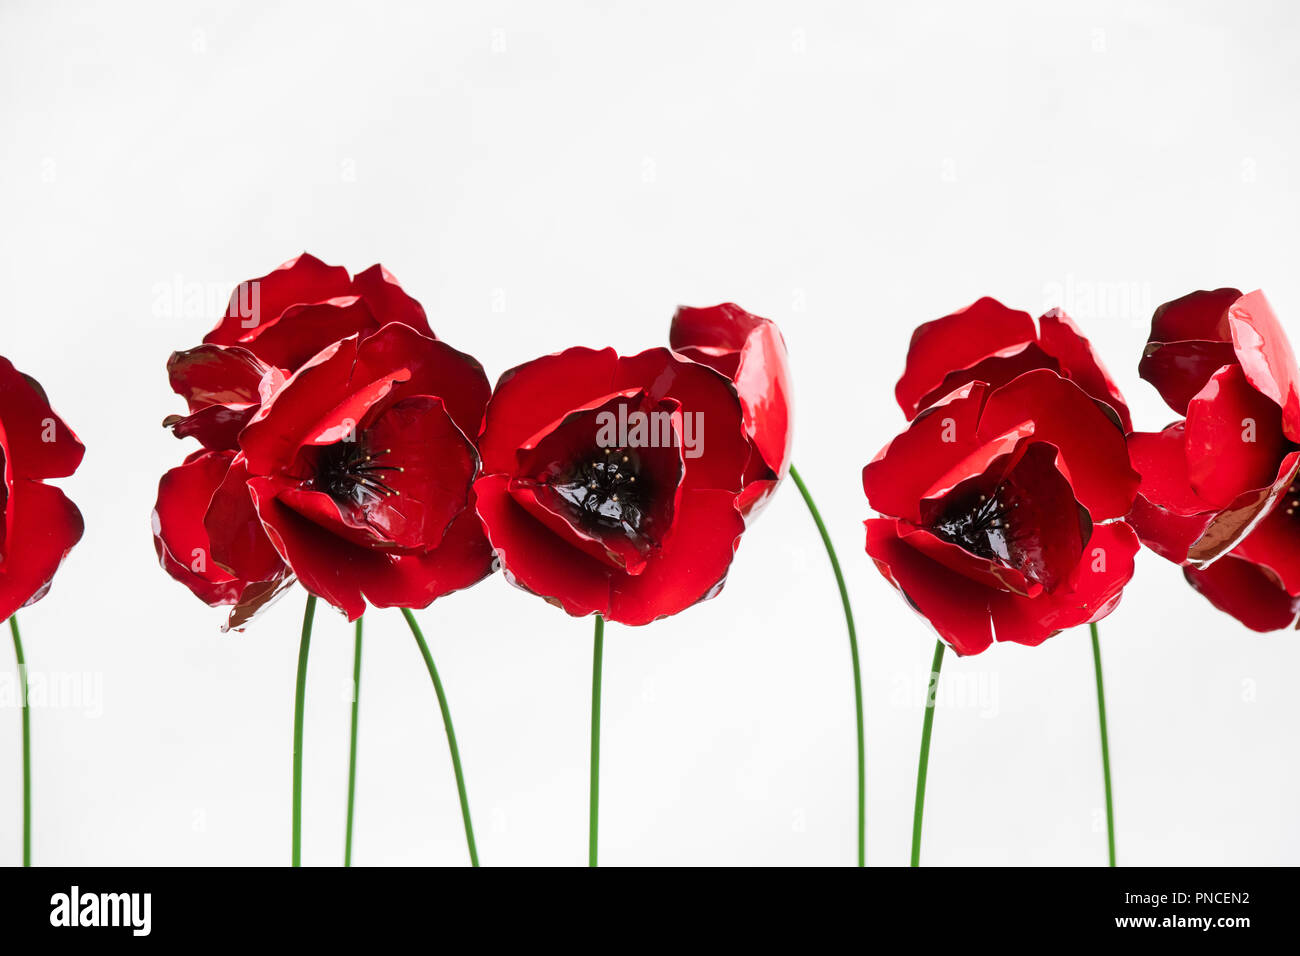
338	449
345	447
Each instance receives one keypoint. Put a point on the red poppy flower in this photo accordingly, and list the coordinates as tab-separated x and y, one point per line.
40	524
987	342
999	509
750	351
279	494
1222	360
609	483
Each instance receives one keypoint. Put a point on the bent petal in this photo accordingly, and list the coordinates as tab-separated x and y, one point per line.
216	375
1248	592
1274	544
259	301
983	329
1234	438
180	538
1062	339
44	527
1185	346
1092	592
389	301
955	605
1266	357
239	543
1093	453
533	558
37	444
291	338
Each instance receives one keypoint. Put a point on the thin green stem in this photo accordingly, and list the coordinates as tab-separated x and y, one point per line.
857	671
352	750
299	701
597	655
924	763
27	742
1105	744
451	734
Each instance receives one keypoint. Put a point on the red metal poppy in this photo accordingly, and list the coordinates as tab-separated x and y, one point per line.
1000	511
350	471
610	483
988	342
750	351
40	524
1222	360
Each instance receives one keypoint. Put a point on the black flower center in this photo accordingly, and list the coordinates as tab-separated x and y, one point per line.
604	490
348	471
980	523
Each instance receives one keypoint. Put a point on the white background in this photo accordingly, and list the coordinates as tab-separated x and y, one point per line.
546	175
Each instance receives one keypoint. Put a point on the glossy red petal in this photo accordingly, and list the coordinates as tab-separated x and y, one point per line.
388	301
44	527
749	350
217	427
991	574
36	441
958	341
996	371
1161	460
532	396
1062	339
1093	453
216	375
1249	593
1266	357
320	404
709	422
1234	522
1275	542
690	567
1168	534
1234	438
937	443
956	606
258	301
1185	345
1179	370
294	336
534	558
180	538
327	566
238	541
1197	316
463	558
1092	591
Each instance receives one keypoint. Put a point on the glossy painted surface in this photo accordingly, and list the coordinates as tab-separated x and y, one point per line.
1000	511
40	524
750	351
600	522
339	436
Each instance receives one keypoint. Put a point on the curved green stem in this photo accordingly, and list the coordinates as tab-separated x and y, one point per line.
451	734
27	742
352	749
857	670
299	701
924	763
1105	744
597	655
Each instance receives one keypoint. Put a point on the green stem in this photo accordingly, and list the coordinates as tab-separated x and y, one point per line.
1105	744
596	657
352	751
924	763
451	734
27	743
299	701
857	671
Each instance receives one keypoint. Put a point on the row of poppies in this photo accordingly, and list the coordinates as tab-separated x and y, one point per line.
346	447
